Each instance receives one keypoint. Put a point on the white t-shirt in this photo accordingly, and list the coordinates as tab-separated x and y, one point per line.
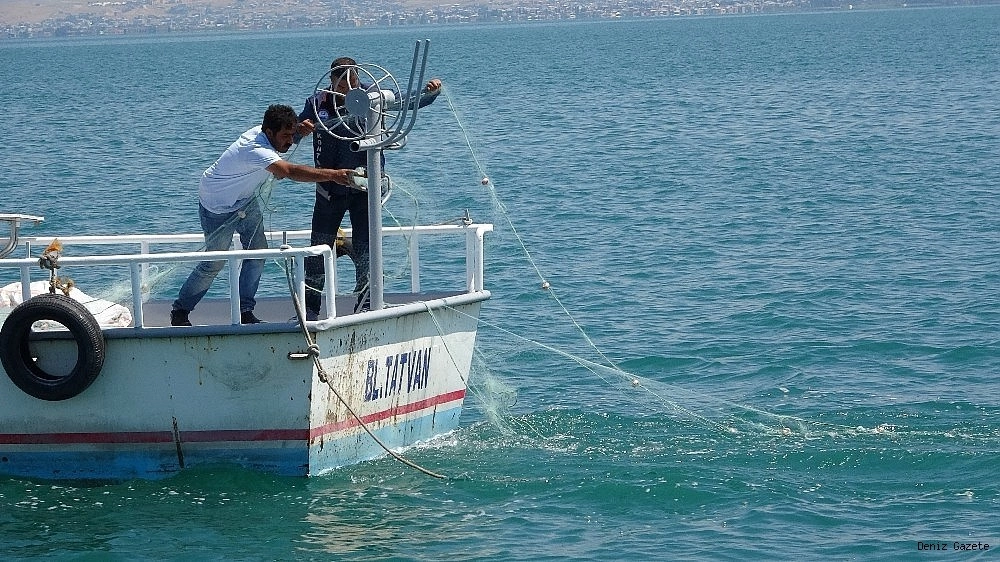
234	178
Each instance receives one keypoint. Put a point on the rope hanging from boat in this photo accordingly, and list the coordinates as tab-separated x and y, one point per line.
313	348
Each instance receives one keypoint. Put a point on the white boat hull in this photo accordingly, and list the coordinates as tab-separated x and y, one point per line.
162	403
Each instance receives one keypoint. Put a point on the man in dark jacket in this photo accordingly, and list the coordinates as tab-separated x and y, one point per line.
334	199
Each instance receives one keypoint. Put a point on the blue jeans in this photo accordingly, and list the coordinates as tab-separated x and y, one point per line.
219	230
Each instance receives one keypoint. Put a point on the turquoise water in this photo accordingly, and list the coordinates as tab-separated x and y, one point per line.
783	230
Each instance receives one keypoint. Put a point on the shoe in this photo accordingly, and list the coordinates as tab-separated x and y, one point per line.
179	318
247	317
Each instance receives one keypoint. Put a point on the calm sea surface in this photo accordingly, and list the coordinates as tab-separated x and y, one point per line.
783	231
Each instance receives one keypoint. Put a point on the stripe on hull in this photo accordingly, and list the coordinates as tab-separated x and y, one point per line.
351	422
99	455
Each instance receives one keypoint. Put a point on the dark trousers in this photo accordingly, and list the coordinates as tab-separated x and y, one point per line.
326	219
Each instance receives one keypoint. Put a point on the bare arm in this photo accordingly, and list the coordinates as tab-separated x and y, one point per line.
430	92
303	129
298	172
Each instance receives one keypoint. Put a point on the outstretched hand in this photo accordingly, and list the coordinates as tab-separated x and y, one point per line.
305	128
344	176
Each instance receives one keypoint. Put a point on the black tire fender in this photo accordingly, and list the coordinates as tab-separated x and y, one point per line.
15	352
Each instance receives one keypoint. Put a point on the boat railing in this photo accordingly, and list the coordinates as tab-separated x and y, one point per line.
138	263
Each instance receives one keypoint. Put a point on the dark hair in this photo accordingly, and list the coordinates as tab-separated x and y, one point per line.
342	61
279	117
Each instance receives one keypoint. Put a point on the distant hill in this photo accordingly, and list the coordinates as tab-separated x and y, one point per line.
67	18
35	11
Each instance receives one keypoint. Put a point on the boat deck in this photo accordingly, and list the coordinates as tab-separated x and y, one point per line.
273	310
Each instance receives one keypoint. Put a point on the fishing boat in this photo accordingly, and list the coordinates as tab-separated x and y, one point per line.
106	388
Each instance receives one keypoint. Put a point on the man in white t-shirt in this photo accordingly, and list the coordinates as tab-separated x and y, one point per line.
228	204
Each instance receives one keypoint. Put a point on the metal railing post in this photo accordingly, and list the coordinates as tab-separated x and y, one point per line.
136	271
235	264
414	262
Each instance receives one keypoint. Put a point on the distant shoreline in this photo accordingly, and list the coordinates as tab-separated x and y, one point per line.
205	18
